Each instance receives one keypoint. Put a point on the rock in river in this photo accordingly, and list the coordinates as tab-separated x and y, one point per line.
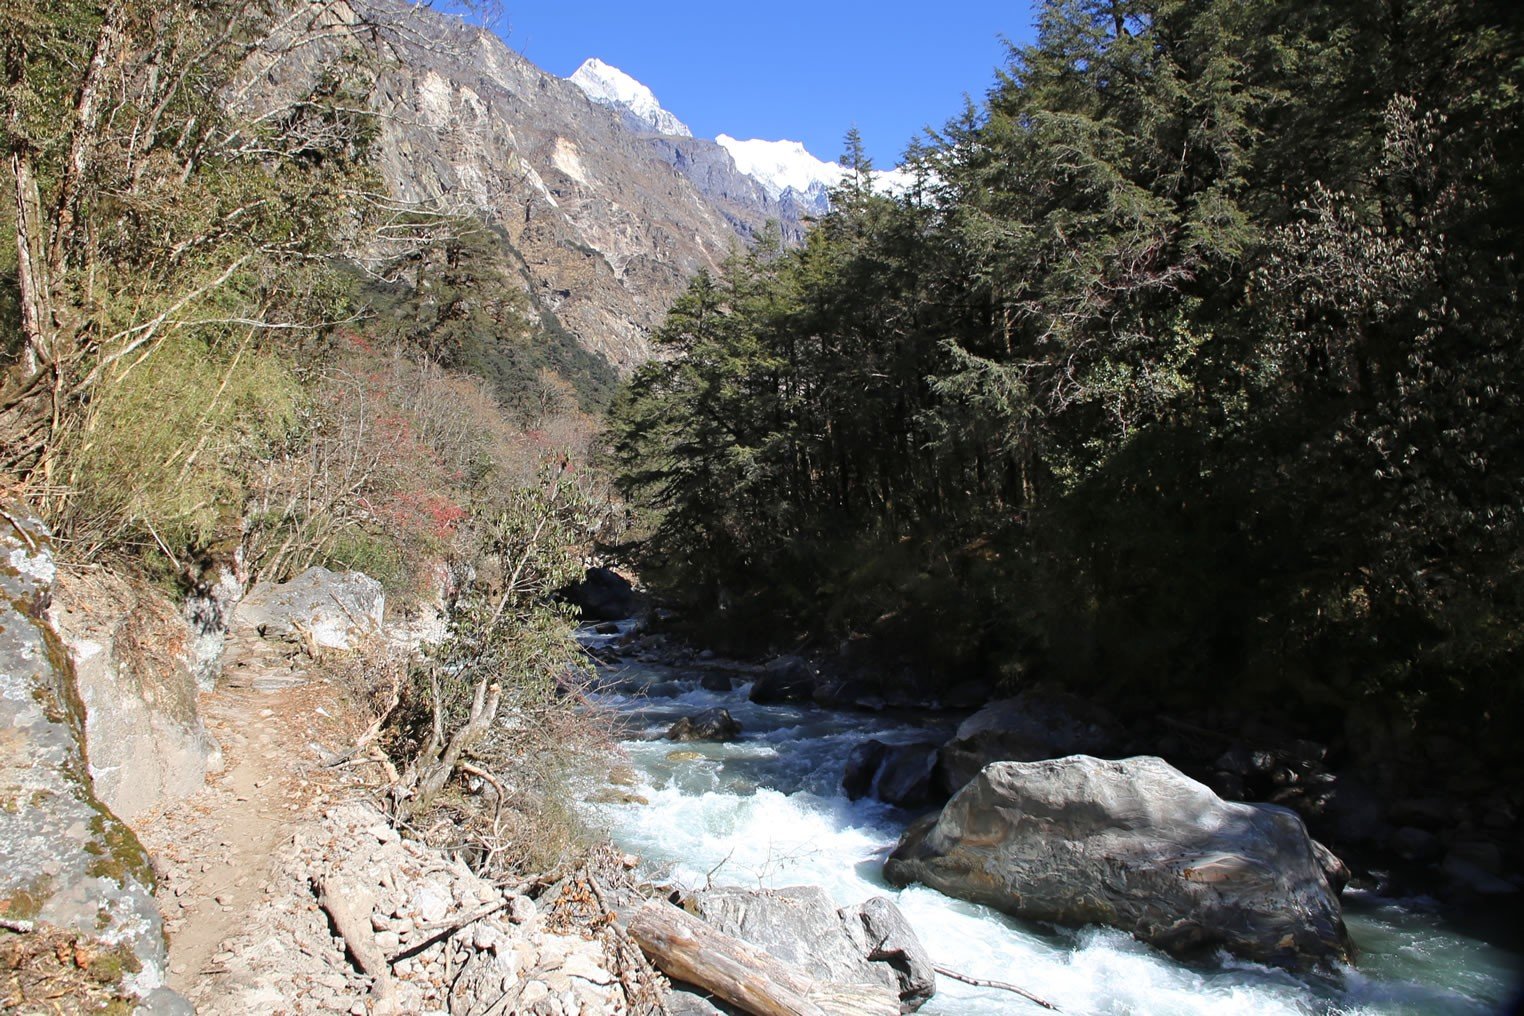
709	725
785	679
1026	728
1137	845
870	943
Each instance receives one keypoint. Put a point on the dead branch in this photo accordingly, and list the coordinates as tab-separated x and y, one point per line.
979	982
445	930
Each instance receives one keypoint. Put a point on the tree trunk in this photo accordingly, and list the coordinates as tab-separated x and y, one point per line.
687	949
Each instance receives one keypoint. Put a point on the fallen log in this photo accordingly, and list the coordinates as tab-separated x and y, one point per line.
687	949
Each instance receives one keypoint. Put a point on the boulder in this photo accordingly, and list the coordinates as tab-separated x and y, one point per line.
1335	872
334	610
602	595
905	776
871	943
890	939
709	725
66	861
1026	728
862	767
716	682
144	737
786	679
1137	845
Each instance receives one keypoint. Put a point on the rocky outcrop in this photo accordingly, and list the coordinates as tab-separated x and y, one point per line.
135	672
899	774
318	609
608	223
709	725
1136	845
1025	728
66	862
870	943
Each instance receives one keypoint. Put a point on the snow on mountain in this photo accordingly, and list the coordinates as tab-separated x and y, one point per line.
783	166
610	86
785	169
780	165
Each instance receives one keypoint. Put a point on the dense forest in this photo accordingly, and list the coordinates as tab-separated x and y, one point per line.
1186	374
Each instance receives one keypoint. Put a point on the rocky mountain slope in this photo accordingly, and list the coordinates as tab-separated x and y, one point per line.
608	217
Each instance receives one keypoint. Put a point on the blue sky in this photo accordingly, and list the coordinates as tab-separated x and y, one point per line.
786	69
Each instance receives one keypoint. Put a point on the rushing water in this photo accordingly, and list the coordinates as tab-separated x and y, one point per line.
767	811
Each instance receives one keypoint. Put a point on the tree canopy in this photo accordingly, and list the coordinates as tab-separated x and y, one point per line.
1187	370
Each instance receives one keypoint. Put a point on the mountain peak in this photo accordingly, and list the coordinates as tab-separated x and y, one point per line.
607	85
781	165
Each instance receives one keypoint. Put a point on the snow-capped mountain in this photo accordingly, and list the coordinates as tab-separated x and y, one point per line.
785	169
610	86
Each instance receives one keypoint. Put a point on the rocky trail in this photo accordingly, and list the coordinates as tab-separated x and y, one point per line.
213	852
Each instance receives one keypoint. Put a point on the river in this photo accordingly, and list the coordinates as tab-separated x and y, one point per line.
767	811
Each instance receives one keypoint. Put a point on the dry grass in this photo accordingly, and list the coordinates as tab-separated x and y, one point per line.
57	972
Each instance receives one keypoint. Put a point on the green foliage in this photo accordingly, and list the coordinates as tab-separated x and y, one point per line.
463	303
163	449
1187	372
498	687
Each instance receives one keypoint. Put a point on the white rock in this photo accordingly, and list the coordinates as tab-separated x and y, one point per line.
431	903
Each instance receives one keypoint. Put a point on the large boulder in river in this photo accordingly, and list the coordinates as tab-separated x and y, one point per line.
870	943
786	679
709	725
1026	728
1137	845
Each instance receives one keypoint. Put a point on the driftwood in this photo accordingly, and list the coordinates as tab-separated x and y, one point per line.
980	982
350	912
687	949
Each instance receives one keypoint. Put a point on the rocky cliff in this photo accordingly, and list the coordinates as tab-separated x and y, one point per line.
608	221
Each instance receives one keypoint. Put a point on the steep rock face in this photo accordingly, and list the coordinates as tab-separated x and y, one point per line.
1137	845
65	860
609	222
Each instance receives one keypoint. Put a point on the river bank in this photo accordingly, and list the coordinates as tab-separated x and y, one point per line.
768	809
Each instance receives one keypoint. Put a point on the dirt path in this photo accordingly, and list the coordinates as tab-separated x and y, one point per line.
213	851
